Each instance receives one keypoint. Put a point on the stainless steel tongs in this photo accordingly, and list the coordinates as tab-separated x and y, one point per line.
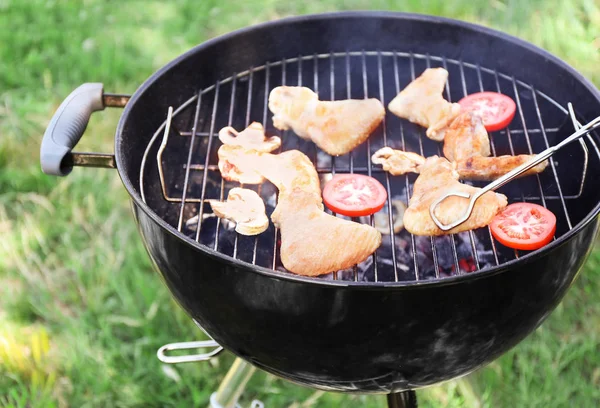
506	178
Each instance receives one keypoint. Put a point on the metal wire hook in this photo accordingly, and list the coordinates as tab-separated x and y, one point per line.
187	346
506	178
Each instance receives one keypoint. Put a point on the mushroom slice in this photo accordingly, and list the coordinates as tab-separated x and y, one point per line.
251	138
397	162
382	222
246	208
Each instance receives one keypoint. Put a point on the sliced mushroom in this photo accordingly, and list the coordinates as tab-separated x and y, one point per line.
397	162
244	207
243	149
382	219
251	138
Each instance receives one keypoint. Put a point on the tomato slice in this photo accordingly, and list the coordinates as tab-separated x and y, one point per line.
496	109
354	195
524	226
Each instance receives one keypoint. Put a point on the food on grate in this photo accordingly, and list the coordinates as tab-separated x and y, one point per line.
316	243
354	195
466	137
382	222
524	226
336	127
421	102
312	241
290	170
240	148
496	110
251	138
437	178
468	145
397	162
246	208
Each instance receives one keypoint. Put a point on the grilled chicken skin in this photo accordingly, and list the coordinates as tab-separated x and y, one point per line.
290	170
466	137
312	241
239	150
316	243
421	102
468	145
336	127
436	179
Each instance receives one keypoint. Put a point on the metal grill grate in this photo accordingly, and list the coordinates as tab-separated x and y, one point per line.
242	98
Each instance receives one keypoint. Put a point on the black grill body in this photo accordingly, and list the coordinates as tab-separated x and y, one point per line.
369	334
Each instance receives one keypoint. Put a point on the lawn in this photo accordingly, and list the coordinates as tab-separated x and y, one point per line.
81	310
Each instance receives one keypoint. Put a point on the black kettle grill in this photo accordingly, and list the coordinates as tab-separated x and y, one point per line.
421	310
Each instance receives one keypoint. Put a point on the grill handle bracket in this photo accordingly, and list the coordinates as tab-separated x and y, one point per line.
67	127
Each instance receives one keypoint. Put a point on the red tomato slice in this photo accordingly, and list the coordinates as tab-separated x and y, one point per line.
354	195
524	226
496	109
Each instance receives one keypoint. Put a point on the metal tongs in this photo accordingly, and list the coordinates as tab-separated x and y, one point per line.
506	178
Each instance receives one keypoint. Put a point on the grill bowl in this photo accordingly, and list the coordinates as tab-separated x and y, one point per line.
362	336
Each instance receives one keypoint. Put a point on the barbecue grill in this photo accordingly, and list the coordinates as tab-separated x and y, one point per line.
420	310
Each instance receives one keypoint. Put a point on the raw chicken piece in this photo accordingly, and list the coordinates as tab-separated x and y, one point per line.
436	179
397	162
466	137
289	170
421	102
242	149
312	242
336	127
316	243
468	145
491	168
251	138
246	208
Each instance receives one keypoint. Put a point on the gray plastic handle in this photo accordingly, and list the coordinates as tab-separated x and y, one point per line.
67	126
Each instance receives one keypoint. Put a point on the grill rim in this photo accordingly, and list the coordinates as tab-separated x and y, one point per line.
121	158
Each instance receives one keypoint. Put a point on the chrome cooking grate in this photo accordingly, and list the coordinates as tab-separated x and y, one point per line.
187	173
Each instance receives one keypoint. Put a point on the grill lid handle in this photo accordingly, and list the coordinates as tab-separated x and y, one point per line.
67	126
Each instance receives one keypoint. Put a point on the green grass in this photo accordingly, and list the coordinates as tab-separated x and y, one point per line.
81	311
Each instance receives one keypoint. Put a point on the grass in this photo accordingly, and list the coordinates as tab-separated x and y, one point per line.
81	311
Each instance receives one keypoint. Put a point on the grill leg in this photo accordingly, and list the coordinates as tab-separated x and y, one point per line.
404	399
233	385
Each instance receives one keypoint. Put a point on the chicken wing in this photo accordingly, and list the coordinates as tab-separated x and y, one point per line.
246	208
312	242
436	179
397	162
289	170
421	102
316	243
336	127
468	145
466	137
